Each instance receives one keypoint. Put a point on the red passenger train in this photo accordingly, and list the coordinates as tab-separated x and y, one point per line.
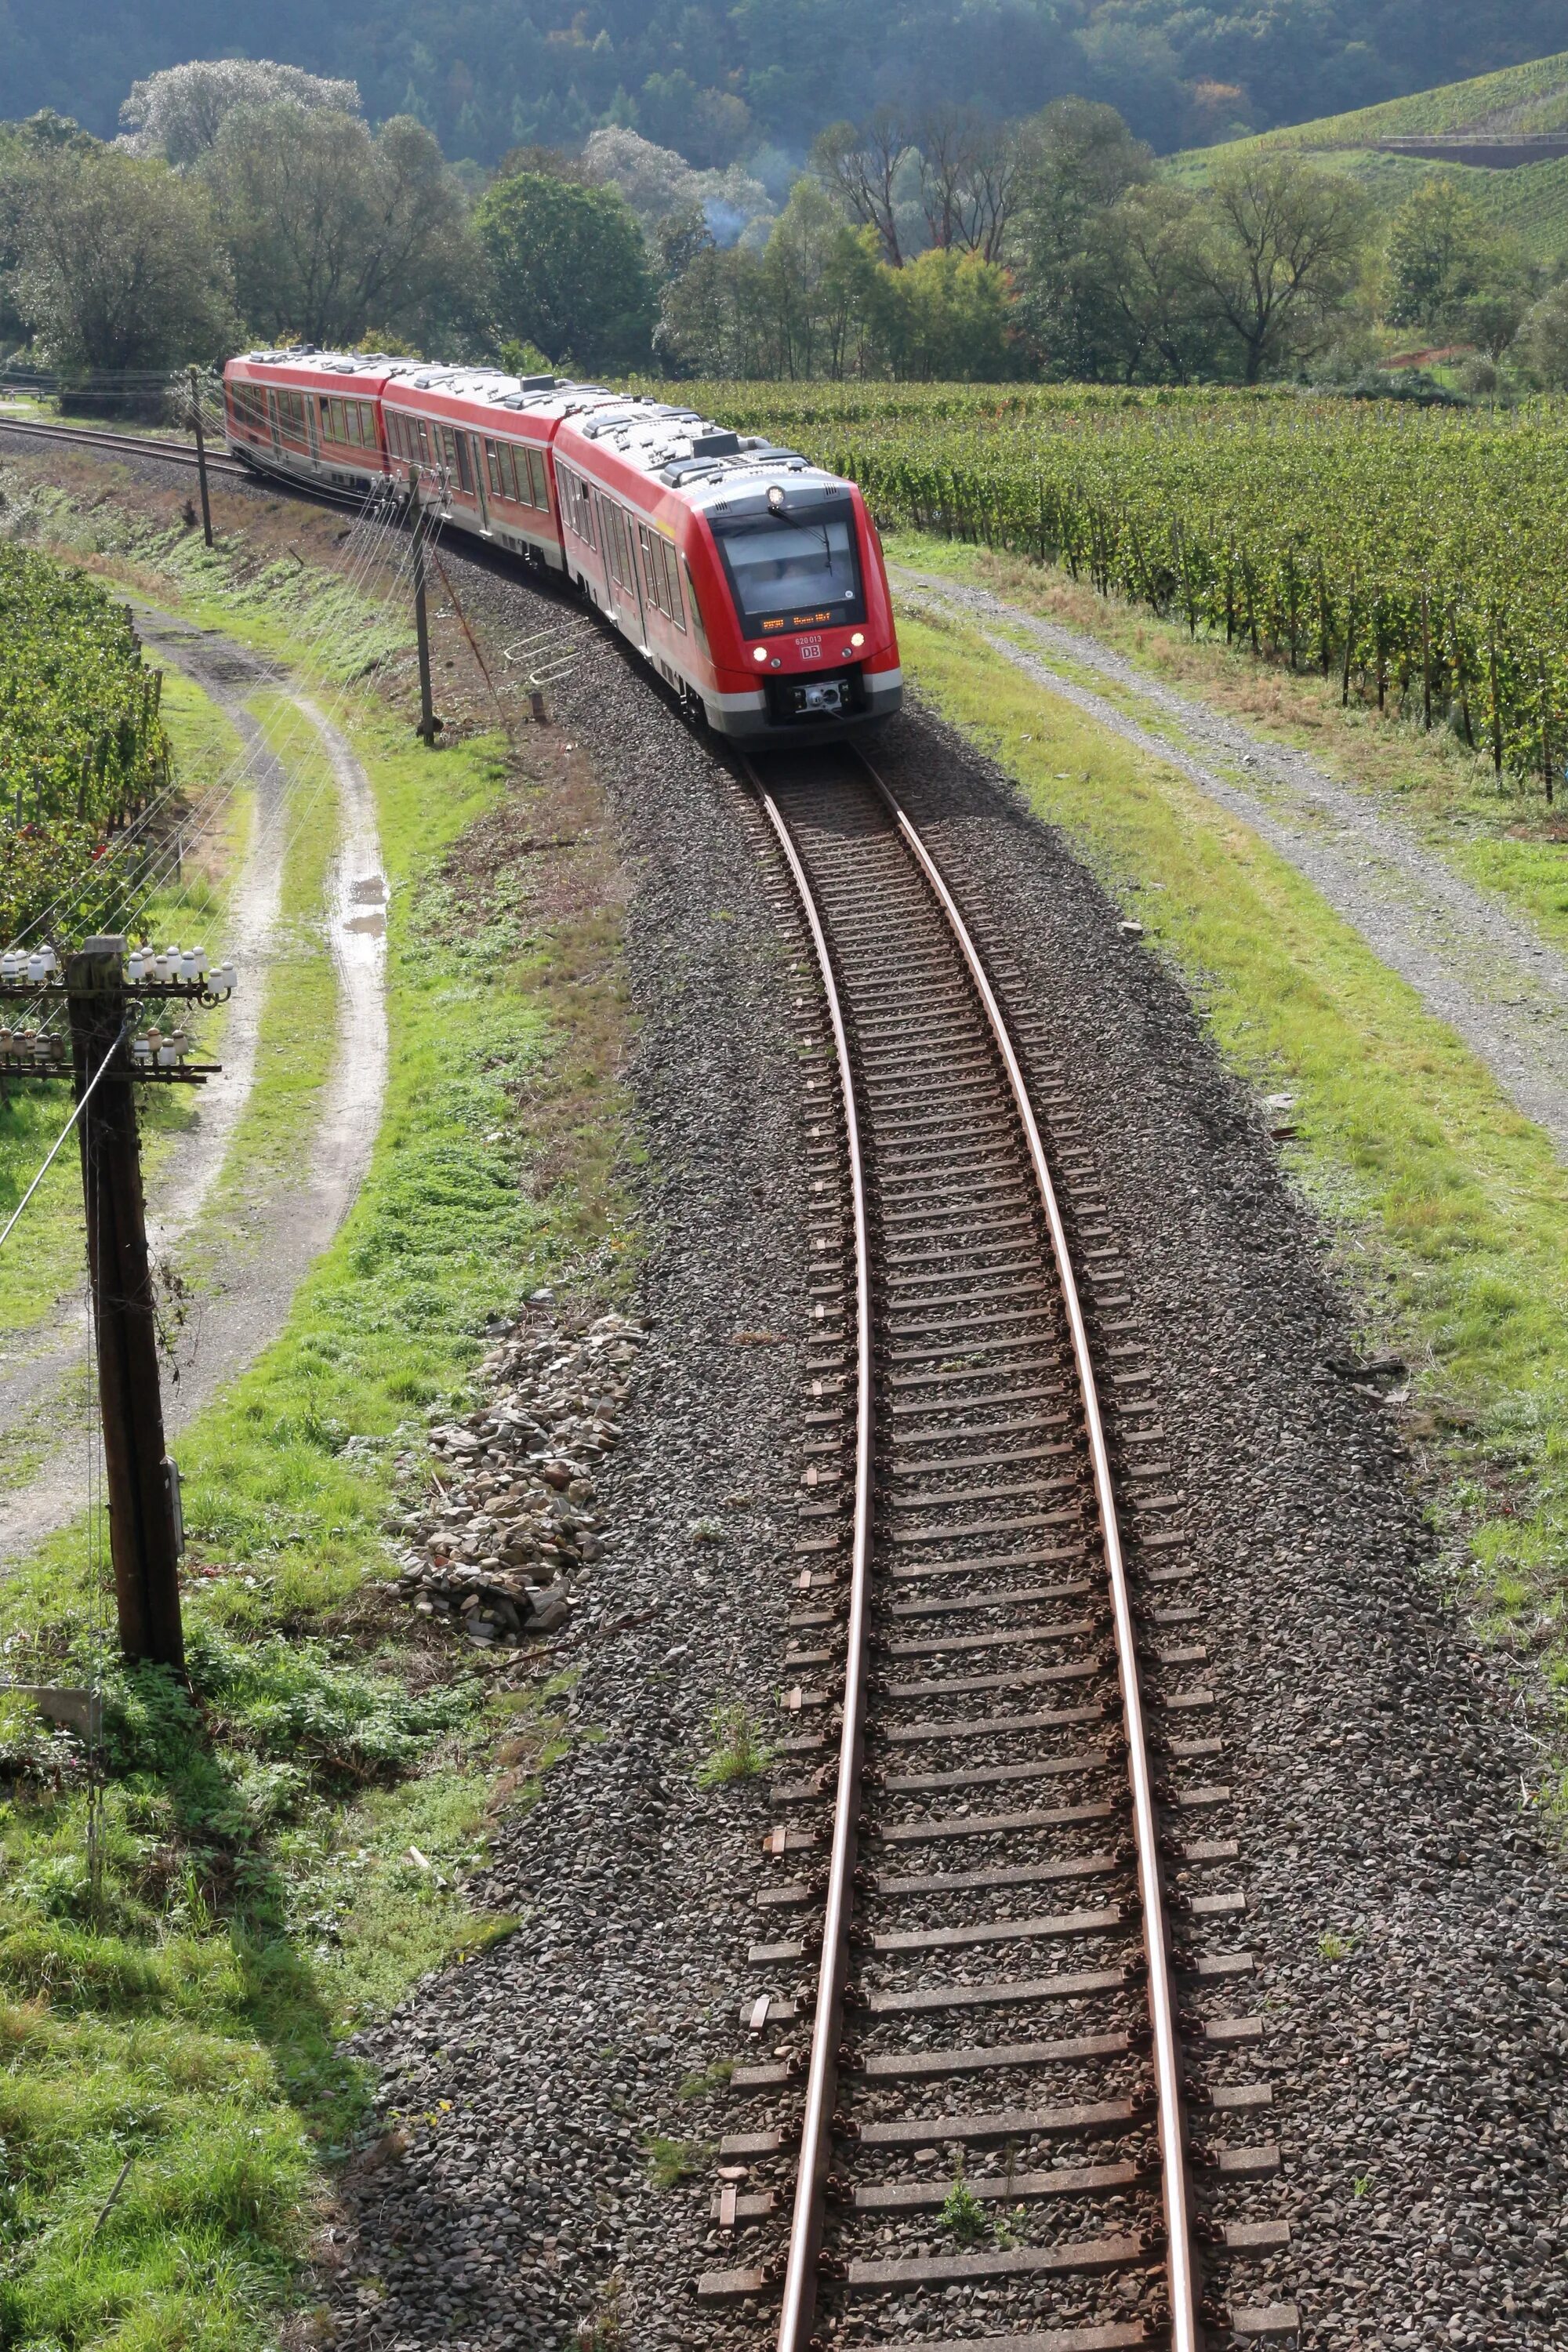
751	581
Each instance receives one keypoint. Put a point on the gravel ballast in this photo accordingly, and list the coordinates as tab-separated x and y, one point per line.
1404	1911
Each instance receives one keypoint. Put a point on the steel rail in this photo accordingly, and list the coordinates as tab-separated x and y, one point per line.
1186	2331
801	2275
799	2301
174	453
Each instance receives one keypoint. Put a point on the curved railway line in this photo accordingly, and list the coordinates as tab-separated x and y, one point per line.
1001	2075
996	1999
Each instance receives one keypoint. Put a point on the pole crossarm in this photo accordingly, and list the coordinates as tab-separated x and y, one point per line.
61	1140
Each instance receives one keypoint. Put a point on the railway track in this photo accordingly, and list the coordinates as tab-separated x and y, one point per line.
180	453
999	2074
145	445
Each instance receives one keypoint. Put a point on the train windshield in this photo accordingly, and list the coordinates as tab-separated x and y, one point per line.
790	572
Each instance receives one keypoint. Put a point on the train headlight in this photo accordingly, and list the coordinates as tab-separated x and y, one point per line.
761	654
859	638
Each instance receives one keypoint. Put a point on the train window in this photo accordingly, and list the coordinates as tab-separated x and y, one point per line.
652	570
493	469
620	536
698	630
579	511
465	462
540	480
400	440
291	416
672	583
514	476
792	572
250	406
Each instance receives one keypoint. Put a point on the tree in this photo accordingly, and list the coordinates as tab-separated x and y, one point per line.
944	316
1280	256
815	280
861	167
1540	350
121	269
713	318
660	185
569	270
1145	246
1083	160
334	231
1451	272
970	175
178	113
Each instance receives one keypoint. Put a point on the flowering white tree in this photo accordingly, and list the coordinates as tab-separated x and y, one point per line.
660	185
178	113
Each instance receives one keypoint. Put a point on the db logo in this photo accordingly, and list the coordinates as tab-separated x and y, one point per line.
810	648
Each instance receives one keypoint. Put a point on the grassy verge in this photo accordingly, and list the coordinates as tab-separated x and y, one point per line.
1497	833
286	1846
1450	1208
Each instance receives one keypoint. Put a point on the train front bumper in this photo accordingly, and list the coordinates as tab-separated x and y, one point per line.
808	704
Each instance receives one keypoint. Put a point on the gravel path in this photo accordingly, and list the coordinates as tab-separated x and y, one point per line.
1473	962
244	1298
1377	1761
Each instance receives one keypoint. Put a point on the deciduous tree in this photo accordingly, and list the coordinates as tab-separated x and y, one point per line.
569	270
333	230
178	113
1281	252
121	269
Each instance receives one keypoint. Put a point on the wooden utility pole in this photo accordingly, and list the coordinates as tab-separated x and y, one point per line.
201	458
107	996
430	726
143	1514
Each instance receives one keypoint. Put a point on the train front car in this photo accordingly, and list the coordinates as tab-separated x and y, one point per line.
311	416
751	579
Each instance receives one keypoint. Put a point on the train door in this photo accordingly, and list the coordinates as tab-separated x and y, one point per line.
621	572
469	443
272	423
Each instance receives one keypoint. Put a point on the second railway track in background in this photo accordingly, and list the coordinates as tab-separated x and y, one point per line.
1002	2070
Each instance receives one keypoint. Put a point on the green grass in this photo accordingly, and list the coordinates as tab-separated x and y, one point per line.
297	1044
1449	1207
738	1751
286	1848
671	2161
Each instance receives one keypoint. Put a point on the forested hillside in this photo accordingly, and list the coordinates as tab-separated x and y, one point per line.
717	81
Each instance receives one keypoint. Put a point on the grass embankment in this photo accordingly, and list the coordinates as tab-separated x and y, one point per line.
1449	1208
285	1846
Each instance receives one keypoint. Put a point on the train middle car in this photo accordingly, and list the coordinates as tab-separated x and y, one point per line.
750	578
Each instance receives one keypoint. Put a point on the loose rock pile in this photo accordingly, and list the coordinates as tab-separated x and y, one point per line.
510	1523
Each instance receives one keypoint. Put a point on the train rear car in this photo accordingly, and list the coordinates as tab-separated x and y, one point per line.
313	416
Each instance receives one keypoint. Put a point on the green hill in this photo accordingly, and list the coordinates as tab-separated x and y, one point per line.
1504	110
